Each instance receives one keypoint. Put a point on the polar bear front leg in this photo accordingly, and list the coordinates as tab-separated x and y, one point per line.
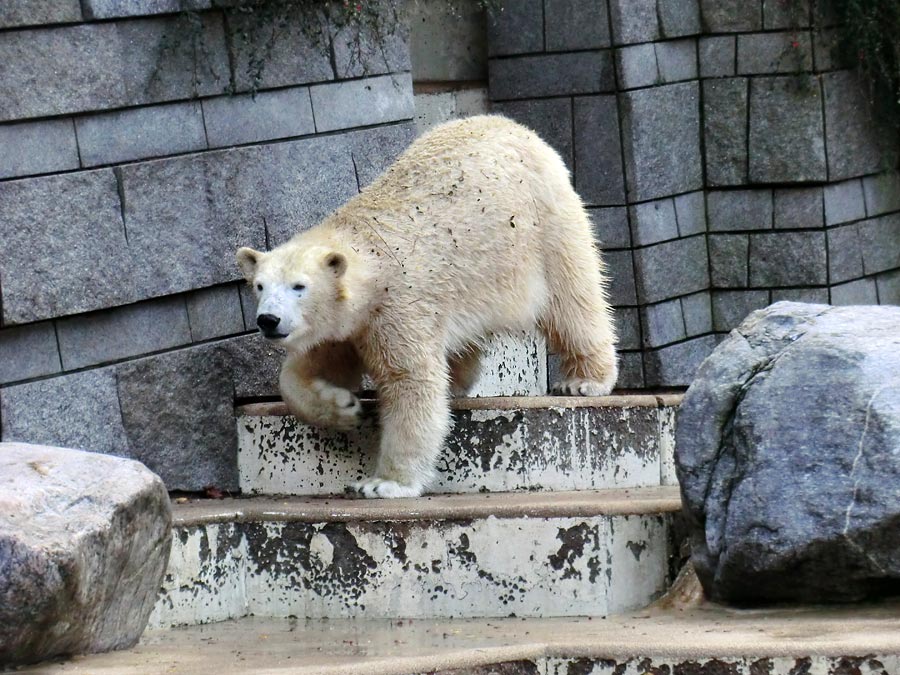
316	385
415	420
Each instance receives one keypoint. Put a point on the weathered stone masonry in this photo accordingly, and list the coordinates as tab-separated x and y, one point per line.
727	158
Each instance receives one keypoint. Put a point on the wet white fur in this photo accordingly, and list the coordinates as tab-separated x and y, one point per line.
474	229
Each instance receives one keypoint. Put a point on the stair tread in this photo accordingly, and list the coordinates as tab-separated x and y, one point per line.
279	409
390	647
615	501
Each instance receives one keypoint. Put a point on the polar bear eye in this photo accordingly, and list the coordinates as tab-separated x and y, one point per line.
259	287
299	287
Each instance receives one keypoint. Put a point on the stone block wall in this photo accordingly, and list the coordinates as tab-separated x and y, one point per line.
129	175
727	157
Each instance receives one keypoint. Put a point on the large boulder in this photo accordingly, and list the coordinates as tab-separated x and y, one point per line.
788	454
84	543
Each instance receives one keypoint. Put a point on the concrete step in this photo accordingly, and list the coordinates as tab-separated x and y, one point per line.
542	443
705	641
477	555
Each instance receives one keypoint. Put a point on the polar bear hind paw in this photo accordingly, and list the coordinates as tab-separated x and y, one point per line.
380	488
581	387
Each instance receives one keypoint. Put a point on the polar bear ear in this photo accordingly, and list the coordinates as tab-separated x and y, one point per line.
337	263
247	260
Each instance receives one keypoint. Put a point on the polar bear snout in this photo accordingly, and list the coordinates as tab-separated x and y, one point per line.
268	326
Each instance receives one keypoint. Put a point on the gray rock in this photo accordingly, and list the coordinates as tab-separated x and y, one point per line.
730	308
730	16
787	134
358	103
28	351
550	118
879	237
788	259
728	260
858	292
717	56
38	147
725	130
114	334
234	120
637	66
620	270
178	416
60	237
215	312
598	151
578	24
634	21
697	310
35	12
675	365
678	17
844	202
882	193
551	75
786	455
653	222
663	323
760	53
738	210
671	269
670	113
611	227
677	60
154	131
85	541
516	28
845	259
798	208
690	210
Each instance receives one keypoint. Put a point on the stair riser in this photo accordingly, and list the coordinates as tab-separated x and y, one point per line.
481	568
488	450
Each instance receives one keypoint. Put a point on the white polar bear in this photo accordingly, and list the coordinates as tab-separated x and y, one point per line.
475	229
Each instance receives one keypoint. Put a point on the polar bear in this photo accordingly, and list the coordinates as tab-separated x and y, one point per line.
475	229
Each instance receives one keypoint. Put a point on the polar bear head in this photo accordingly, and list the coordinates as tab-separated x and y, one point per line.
302	294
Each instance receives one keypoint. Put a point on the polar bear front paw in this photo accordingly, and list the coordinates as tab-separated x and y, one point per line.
338	408
379	488
580	387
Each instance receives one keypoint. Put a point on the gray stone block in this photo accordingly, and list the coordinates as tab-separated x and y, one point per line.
690	210
739	210
854	135
653	222
787	134
762	53
828	53
575	24
717	56
357	103
28	351
676	365
882	193
677	60
728	256
234	120
845	259
366	48
631	371
725	130
38	147
63	248
215	312
678	17
816	296
248	306
111	335
888	288
669	113
620	271
788	259
844	202
254	364
637	66
730	308
550	118
138	133
551	75
374	150
786	14
634	21
112	9
598	151
670	269
15	13
448	42
611	228
663	323
516	28
628	327
799	208
880	239
77	410
110	65
859	292
731	16
697	310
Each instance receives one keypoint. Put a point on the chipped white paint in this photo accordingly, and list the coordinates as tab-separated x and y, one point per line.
513	364
486	567
487	450
730	665
667	418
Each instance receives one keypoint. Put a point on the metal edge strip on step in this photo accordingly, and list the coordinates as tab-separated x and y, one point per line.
611	502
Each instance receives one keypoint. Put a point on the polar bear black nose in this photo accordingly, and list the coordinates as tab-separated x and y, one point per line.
267	322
